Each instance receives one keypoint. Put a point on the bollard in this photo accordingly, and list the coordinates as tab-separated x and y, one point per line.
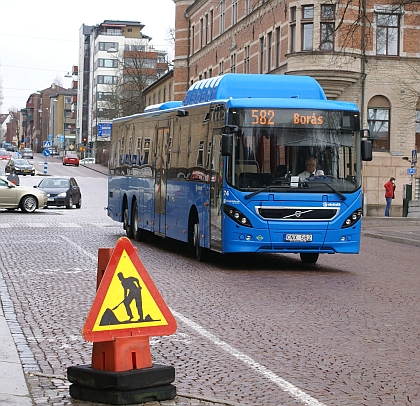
45	167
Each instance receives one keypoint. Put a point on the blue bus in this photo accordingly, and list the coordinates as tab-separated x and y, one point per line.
225	170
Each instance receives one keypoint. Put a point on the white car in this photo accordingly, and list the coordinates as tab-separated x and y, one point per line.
87	161
14	197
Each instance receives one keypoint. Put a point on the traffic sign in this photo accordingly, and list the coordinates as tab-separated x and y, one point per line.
104	129
413	156
46	144
411	171
127	302
46	152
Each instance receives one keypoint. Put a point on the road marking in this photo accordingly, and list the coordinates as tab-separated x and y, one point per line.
79	248
68	225
5	225
283	384
36	225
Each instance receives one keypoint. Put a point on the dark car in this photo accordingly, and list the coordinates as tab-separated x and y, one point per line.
20	167
71	159
61	191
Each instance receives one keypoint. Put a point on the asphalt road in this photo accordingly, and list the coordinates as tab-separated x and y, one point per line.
252	330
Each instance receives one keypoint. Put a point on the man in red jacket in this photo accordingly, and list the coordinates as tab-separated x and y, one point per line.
389	195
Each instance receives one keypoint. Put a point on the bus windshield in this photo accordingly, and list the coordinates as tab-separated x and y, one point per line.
281	157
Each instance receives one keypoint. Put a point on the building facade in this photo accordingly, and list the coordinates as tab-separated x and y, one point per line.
106	61
367	53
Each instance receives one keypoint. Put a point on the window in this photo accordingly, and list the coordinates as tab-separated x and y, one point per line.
206	29
108	80
104	96
107	63
307	27
269	44
248	7
233	63
379	123
292	29
221	67
246	59
222	16
278	41
327	27
261	55
104	46
200	154
387	34
234	12
201	33
193	39
211	26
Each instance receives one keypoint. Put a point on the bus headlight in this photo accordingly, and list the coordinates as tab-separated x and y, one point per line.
352	219
236	216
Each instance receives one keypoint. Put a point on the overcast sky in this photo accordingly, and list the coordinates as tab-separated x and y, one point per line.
39	39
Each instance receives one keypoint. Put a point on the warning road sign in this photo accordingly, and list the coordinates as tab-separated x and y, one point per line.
127	302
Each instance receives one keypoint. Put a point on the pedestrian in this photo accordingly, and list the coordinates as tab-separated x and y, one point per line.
389	195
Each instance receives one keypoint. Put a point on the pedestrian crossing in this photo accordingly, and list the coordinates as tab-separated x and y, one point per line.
59	225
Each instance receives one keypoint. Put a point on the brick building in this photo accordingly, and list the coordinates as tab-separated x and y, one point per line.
368	55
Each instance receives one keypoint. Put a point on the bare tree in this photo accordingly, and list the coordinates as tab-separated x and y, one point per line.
137	68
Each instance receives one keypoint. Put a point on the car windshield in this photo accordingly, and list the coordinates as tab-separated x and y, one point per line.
21	162
54	183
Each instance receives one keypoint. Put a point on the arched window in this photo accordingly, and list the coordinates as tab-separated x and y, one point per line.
379	115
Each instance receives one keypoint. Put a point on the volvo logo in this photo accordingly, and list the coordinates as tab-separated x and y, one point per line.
298	213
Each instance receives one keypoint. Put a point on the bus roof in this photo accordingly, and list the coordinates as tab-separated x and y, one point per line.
235	85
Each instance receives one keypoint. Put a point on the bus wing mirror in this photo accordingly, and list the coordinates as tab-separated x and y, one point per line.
366	146
227	144
227	139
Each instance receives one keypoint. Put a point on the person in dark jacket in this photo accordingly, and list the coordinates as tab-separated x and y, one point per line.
389	195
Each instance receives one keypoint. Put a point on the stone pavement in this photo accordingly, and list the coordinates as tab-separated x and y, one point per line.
13	386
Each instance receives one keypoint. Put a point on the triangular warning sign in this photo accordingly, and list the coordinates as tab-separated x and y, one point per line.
127	302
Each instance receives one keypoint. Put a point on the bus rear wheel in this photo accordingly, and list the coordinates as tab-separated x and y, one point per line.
127	227
309	258
138	233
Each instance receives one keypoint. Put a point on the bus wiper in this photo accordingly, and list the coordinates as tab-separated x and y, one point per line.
342	197
265	189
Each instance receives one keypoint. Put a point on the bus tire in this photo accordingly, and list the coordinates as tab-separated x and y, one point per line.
201	254
127	227
138	233
309	258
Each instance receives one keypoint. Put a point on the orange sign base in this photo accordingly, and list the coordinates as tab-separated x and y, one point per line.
122	354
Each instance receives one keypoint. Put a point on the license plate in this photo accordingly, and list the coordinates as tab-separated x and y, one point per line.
26	170
50	199
298	237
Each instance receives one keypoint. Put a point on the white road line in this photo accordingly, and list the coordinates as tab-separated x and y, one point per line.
36	225
79	248
283	384
68	225
5	225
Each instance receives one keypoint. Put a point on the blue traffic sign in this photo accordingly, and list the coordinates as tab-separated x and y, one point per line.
46	144
411	171
46	152
413	156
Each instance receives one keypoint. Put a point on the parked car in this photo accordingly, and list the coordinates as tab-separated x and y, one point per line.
53	151
71	159
20	167
19	197
27	153
4	155
61	191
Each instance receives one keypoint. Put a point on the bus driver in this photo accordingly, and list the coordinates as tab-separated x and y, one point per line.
310	164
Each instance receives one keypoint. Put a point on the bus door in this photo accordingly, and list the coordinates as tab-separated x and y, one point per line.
162	139
216	181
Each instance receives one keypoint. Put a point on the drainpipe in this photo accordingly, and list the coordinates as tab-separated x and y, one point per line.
363	64
188	52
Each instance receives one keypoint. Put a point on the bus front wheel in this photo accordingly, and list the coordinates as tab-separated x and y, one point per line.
200	253
309	258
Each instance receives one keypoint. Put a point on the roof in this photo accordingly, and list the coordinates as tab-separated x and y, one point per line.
234	85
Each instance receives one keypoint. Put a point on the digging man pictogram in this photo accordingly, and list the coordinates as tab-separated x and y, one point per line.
132	291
